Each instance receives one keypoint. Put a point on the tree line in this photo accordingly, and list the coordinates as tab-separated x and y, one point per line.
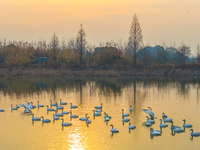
78	52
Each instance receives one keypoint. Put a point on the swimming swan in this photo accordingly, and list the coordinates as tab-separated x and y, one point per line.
130	109
73	106
194	133
62	103
52	104
173	127
155	132
45	120
150	112
186	125
163	125
84	118
73	116
114	130
13	108
50	109
35	118
131	127
98	107
66	123
124	114
39	105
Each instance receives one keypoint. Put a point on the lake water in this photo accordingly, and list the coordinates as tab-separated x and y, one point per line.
177	97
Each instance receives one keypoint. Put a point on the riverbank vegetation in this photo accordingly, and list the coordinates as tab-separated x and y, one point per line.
77	57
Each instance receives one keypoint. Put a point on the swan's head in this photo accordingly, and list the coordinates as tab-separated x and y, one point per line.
149	108
50	100
42	116
31	102
191	129
129	123
183	119
111	125
47	105
151	129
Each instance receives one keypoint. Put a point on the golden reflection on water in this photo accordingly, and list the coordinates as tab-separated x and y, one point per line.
18	132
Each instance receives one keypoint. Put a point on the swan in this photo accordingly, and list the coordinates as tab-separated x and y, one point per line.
39	105
32	106
84	118
126	119
150	121
52	104
164	115
155	132
131	127
13	108
106	115
17	106
88	121
59	106
58	114
65	124
114	130
164	125
55	117
194	133
1	110
178	130
26	106
45	120
35	118
73	116
124	114
27	111
169	120
73	106
65	112
186	125
148	124
96	113
98	107
149	111
62	103
173	127
99	110
50	109
130	109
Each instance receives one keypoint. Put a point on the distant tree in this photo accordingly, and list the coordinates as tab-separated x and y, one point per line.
198	53
184	51
135	40
54	45
81	43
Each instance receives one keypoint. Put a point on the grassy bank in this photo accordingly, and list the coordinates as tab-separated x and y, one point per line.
46	72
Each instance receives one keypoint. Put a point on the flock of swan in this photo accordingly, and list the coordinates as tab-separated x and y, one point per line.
174	129
97	112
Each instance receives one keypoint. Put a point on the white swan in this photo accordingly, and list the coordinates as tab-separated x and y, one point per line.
35	118
73	116
84	118
124	114
186	125
73	106
150	121
150	112
96	113
1	110
155	132
194	133
164	115
26	106
106	115
98	107
114	130
88	121
39	105
55	117
52	104
178	130
58	114
66	123
169	120
131	127
32	106
62	103
173	127
13	108
126	119
50	109
45	120
99	110
59	106
130	109
65	112
163	125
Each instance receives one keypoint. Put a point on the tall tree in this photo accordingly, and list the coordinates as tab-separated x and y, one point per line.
135	40
185	51
81	43
54	44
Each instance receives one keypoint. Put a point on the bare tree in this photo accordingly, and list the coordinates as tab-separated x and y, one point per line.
54	45
135	40
81	43
185	51
198	53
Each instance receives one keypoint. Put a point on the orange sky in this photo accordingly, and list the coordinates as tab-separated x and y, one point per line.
161	20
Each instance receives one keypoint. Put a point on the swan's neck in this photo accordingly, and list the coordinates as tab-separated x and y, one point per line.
184	122
112	126
62	121
192	130
160	121
32	115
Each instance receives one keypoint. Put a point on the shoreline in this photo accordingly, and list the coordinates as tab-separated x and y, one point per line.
46	72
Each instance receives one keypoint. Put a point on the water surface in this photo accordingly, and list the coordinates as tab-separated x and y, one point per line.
178	98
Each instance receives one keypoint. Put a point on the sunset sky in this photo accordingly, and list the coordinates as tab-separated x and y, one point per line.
162	21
